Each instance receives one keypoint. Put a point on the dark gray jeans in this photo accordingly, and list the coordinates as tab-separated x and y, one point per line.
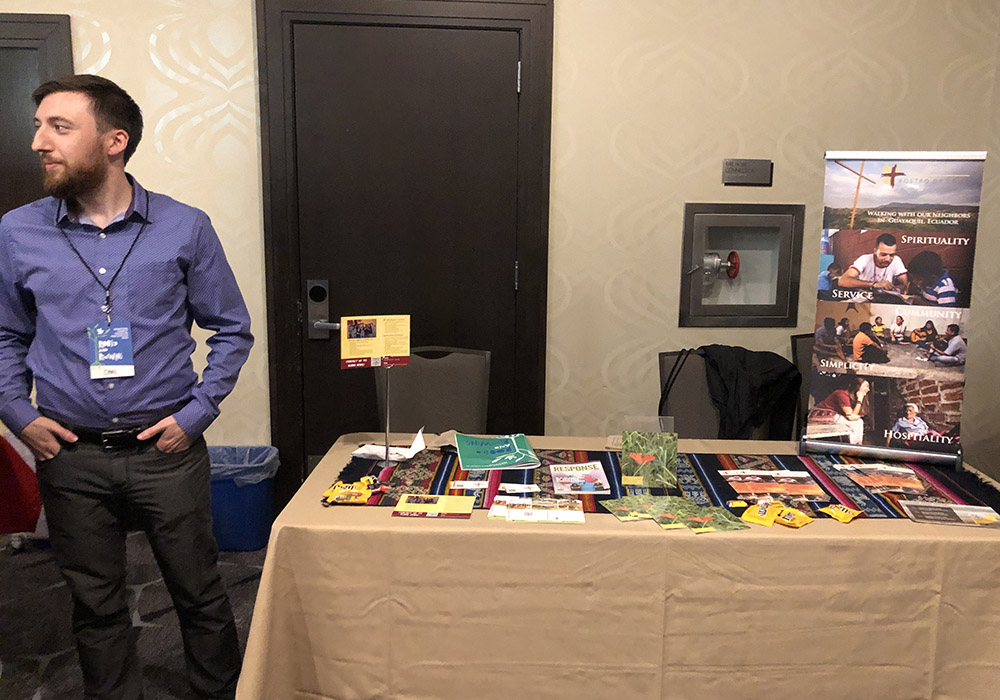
91	497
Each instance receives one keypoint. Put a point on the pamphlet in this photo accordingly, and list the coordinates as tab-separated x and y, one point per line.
643	507
504	452
465	485
752	484
674	513
951	514
374	341
881	478
649	459
586	477
413	505
520	488
714	519
545	510
498	511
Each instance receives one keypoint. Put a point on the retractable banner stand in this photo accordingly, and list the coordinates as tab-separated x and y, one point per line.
892	309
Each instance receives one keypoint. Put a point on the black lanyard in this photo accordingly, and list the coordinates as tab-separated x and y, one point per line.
106	306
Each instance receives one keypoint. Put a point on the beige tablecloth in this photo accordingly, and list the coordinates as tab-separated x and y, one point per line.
356	605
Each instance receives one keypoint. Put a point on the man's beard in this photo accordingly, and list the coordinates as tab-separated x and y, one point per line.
71	182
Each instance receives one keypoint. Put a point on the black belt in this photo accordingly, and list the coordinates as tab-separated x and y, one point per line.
116	439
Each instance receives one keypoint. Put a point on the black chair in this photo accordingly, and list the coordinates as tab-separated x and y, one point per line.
441	389
802	357
751	385
688	400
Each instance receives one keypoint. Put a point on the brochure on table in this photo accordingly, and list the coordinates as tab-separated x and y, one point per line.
374	341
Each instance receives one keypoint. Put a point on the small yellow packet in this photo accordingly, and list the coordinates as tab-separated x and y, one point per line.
736	504
840	513
792	517
762	513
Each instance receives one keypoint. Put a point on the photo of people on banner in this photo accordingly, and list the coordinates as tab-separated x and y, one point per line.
893	294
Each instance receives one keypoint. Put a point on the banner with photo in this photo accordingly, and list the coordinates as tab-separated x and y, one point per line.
893	296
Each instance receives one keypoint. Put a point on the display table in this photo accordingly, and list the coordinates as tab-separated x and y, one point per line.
355	605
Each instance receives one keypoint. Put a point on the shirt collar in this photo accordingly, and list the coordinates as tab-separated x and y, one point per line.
138	208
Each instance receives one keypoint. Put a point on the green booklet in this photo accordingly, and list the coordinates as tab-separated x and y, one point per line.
649	459
503	452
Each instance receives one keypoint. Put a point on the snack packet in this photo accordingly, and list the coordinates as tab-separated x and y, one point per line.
840	513
762	513
792	517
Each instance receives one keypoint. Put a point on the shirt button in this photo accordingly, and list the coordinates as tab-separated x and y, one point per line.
114	420
111	385
103	235
102	270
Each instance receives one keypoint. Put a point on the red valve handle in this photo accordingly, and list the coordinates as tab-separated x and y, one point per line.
734	264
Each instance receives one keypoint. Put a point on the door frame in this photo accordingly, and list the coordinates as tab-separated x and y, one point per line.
532	19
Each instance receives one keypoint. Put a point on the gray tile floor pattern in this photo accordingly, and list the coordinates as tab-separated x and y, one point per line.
37	655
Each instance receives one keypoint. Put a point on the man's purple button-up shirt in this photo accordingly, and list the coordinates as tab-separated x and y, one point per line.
177	274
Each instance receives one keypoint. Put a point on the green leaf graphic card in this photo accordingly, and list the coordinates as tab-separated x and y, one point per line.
649	459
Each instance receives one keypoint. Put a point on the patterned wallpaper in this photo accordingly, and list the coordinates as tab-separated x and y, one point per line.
191	66
649	97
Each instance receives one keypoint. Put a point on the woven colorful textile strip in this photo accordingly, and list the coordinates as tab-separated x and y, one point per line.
431	471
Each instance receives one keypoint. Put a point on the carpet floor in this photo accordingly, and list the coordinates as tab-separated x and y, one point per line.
37	654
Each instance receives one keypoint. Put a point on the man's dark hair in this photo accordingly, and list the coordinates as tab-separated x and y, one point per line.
833	266
953	327
926	265
113	107
886	238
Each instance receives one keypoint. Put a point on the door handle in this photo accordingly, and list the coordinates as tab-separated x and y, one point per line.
323	325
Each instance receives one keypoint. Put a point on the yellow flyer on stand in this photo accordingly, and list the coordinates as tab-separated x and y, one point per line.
374	341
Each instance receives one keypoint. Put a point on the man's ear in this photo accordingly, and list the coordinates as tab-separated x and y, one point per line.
117	140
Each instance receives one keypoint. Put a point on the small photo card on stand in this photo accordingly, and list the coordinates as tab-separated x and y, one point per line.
374	341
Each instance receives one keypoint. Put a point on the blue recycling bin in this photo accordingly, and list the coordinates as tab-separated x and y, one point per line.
242	496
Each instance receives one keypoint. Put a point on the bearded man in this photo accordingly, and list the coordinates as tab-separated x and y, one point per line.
99	285
878	271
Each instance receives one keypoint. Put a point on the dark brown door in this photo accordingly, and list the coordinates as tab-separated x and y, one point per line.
406	144
33	49
412	177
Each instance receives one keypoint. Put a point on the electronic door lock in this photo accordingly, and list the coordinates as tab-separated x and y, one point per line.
318	310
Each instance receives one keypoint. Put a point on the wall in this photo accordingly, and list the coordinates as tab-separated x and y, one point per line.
191	66
651	95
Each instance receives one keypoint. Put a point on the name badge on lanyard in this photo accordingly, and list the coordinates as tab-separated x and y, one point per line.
111	350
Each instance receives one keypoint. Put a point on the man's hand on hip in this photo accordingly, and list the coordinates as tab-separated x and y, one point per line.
42	437
172	436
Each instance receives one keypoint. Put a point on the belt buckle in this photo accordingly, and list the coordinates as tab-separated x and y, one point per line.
113	439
